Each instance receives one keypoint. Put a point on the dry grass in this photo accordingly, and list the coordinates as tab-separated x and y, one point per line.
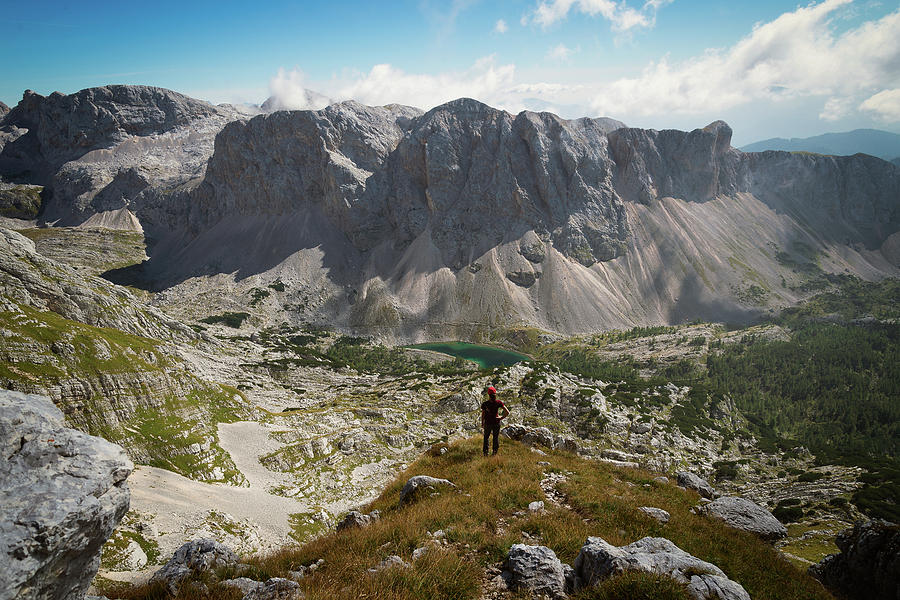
487	513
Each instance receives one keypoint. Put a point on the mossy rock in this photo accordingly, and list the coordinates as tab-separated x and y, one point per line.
21	202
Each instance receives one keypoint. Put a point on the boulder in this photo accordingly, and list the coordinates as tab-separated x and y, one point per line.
868	566
244	584
354	519
62	493
275	588
599	560
389	563
696	483
655	513
536	506
413	488
194	557
523	278
746	515
536	569
539	436
135	558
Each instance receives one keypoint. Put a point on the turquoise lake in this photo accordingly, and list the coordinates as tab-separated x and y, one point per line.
485	356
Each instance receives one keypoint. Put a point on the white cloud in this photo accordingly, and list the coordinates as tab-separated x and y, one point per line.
885	105
289	89
559	52
796	59
383	84
796	55
836	109
622	16
501	26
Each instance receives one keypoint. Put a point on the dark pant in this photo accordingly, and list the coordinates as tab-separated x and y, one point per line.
488	430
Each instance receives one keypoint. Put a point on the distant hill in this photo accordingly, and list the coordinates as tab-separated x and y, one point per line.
882	144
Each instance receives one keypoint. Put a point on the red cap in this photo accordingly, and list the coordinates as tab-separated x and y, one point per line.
491	390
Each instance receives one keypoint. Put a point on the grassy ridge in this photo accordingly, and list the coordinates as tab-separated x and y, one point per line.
488	513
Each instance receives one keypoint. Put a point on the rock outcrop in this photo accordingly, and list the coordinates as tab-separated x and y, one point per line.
536	569
694	482
868	565
355	519
193	558
420	484
599	560
745	515
30	279
658	514
62	492
540	436
108	147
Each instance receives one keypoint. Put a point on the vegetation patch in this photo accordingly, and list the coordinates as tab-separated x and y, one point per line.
487	513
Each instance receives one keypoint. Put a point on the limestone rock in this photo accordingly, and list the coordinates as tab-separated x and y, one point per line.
354	518
746	515
275	588
599	560
536	569
655	513
536	506
868	566
539	436
110	146
135	558
62	492
197	556
415	486
389	563
244	584
696	483
523	278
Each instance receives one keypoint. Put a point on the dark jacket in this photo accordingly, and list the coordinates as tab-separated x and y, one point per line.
490	410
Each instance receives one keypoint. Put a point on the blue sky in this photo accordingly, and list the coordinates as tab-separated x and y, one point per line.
769	68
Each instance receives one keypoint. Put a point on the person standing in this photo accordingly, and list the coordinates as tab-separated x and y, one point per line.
490	419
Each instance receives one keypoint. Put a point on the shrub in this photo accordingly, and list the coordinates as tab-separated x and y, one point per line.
788	514
636	586
230	319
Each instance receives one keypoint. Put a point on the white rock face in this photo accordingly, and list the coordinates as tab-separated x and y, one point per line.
62	492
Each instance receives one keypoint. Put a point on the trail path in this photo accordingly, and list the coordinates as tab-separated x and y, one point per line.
180	506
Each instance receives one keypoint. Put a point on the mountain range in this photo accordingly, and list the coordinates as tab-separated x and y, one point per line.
440	224
875	142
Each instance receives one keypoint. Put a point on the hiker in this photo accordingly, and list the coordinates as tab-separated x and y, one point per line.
490	419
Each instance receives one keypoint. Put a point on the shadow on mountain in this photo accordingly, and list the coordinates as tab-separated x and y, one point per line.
245	246
693	304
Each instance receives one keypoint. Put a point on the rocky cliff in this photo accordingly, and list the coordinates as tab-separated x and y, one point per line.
103	149
466	216
110	362
62	493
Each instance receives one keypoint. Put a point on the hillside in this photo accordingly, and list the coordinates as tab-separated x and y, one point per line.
883	144
467	533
